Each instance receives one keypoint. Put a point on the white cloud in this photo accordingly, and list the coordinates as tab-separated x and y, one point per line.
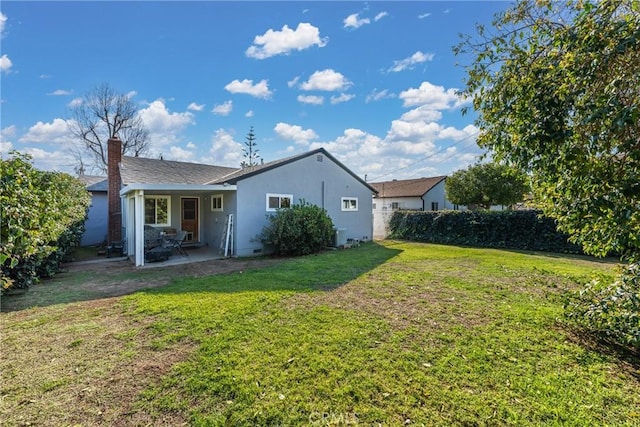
5	64
413	131
224	150
179	154
380	15
191	145
353	21
75	102
164	126
9	131
295	133
223	109
3	21
5	146
60	92
408	63
377	95
424	15
259	90
5	134
45	76
415	145
293	82
249	113
421	114
328	80
57	160
159	120
468	131
54	132
274	43
311	99
195	107
431	96
359	150
343	97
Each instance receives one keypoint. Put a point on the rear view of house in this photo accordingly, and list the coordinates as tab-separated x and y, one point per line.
204	199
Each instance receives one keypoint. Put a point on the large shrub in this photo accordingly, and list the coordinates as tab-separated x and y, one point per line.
610	310
525	230
301	229
42	218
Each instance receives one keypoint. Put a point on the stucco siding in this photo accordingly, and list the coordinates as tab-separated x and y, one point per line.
387	203
214	221
322	183
96	225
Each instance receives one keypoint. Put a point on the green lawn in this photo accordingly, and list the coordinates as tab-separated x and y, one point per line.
384	334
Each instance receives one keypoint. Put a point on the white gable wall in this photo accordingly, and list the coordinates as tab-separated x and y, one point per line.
322	183
387	203
437	195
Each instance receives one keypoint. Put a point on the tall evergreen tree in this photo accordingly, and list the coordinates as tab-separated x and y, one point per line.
250	152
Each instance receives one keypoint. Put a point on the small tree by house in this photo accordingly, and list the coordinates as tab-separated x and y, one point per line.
485	185
250	152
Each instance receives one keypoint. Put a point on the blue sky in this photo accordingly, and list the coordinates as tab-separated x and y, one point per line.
372	82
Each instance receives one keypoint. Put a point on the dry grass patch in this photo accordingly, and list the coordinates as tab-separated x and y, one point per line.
82	363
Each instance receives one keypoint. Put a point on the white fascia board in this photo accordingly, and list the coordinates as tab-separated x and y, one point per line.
175	187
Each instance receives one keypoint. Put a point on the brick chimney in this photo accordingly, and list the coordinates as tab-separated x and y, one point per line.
114	157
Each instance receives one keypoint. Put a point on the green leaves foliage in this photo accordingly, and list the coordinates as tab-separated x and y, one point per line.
42	218
486	184
610	310
301	229
558	95
524	230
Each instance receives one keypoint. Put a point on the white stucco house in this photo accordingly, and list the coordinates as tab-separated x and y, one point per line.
200	198
423	194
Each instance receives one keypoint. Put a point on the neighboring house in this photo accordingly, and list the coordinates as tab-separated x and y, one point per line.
424	194
199	198
96	225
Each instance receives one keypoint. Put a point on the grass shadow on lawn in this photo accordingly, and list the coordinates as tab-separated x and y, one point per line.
88	282
321	272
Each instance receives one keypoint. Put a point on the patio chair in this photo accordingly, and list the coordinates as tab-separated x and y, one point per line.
151	237
177	242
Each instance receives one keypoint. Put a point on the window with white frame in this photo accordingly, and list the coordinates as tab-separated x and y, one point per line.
278	201
349	203
434	206
157	210
216	203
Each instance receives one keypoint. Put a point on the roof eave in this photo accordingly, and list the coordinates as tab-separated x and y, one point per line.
175	187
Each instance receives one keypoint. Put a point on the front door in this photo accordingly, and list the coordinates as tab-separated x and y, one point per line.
190	218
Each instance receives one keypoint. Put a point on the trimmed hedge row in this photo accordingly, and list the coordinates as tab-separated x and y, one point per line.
42	217
525	230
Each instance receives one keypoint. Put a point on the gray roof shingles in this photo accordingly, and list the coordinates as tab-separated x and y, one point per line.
155	171
407	187
94	183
